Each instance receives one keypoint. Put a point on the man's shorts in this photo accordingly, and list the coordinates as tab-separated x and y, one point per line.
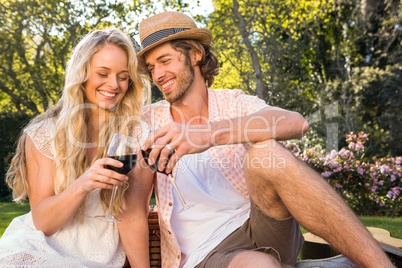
279	238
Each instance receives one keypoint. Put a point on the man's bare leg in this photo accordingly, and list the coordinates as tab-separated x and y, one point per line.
282	185
253	259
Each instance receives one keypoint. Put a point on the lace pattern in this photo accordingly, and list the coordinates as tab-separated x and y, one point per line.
42	138
92	243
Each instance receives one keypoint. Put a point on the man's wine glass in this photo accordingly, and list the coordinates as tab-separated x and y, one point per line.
123	148
145	155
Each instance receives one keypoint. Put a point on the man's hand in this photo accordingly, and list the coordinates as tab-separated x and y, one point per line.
180	139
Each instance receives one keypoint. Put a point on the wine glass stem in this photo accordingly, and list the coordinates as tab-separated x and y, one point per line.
178	191
109	212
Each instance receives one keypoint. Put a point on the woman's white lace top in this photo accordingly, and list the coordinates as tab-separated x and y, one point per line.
93	243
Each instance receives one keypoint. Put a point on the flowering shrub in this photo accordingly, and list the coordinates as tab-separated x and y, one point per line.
369	186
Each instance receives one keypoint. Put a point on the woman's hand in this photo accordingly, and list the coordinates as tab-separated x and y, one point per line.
99	176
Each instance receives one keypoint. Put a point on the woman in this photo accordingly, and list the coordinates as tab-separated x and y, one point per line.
60	165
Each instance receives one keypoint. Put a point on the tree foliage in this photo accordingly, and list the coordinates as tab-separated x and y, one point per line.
305	55
306	48
37	37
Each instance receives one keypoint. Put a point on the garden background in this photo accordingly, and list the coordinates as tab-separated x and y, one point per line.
337	62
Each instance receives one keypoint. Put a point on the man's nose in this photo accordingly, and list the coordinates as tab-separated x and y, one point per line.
159	73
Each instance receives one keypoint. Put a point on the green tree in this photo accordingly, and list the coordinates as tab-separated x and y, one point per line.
304	48
37	37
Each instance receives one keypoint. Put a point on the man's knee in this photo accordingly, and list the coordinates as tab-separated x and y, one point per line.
269	158
253	259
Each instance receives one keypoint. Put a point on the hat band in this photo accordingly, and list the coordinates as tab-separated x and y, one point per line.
155	37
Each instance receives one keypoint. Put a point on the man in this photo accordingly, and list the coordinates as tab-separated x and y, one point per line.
247	193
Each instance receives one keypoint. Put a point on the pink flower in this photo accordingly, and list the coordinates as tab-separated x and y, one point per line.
351	146
339	186
359	146
334	154
360	171
363	137
384	169
394	192
393	178
343	152
326	174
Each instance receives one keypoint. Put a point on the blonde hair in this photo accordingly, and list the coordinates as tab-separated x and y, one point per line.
71	115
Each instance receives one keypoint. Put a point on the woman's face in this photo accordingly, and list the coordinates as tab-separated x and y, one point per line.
108	81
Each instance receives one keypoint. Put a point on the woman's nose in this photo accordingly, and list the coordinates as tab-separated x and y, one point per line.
112	82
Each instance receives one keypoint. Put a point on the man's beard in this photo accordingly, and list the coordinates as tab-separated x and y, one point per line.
184	79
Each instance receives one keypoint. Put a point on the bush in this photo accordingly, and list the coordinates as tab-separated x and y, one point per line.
369	186
11	126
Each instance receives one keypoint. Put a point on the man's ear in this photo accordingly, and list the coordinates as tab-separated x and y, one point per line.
196	57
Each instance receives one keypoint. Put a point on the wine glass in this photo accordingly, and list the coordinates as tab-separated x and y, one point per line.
123	148
145	155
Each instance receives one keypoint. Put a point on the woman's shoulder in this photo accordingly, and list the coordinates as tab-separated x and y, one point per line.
41	134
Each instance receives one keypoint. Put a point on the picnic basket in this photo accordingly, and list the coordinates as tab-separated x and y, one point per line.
154	240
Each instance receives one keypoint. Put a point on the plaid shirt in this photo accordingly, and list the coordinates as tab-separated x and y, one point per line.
222	103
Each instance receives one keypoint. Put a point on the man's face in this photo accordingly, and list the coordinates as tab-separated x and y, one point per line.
171	71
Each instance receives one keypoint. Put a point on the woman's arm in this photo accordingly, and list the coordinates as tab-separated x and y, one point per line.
134	226
51	212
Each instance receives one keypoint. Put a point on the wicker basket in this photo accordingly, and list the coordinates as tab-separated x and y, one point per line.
154	240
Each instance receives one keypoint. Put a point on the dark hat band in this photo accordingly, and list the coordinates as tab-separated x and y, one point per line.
155	37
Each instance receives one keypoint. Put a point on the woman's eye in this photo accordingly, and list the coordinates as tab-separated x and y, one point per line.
102	75
123	78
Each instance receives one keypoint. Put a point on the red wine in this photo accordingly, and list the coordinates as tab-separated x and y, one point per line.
145	155
128	161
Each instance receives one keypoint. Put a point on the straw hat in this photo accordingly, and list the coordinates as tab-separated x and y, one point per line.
170	25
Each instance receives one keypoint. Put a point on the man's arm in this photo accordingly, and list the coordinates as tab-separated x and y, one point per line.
268	123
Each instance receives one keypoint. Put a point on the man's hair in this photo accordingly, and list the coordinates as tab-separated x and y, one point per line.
209	62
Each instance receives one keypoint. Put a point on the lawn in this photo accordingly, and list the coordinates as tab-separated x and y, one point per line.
11	210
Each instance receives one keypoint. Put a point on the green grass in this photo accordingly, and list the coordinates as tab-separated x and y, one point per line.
392	224
11	210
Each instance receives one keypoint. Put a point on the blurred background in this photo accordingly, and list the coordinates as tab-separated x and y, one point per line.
337	62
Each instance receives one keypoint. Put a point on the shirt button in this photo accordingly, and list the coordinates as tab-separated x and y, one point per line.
170	204
169	232
178	256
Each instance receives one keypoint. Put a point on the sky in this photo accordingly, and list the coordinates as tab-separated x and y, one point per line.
206	6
